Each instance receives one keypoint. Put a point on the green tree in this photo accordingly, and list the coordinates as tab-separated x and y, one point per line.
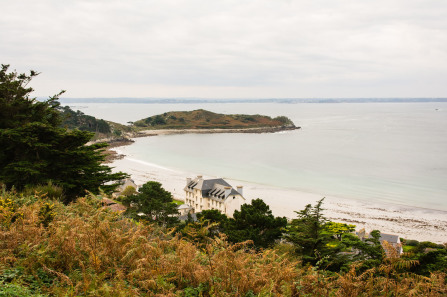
338	229
128	191
152	203
431	257
214	216
315	239
255	222
369	250
78	120
308	234
36	150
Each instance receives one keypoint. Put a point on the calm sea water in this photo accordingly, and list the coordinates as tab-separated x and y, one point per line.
383	152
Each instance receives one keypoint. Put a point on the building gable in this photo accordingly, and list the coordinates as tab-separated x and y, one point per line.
204	194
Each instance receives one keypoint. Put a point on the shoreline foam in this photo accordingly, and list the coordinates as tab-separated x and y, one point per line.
406	221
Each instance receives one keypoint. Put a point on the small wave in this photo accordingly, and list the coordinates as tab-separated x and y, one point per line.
149	164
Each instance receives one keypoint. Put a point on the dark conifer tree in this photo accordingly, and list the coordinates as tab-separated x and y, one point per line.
255	222
152	203
36	150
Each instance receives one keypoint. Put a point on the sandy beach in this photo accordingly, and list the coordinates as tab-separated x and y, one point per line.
408	222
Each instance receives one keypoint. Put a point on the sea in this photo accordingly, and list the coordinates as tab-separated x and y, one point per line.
379	152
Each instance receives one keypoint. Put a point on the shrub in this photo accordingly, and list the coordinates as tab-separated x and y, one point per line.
49	190
411	242
128	191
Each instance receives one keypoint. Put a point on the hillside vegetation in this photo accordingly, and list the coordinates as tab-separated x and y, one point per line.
203	119
78	120
83	249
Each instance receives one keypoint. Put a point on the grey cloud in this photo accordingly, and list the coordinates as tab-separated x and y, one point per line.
268	48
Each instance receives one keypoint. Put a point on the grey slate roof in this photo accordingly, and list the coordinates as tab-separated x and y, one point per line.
211	188
389	237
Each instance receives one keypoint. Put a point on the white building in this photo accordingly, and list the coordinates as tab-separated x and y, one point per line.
393	240
205	194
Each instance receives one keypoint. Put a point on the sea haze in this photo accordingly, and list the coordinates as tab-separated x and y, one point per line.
381	152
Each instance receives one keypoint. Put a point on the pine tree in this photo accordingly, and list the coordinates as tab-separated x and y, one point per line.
308	234
36	150
152	203
255	222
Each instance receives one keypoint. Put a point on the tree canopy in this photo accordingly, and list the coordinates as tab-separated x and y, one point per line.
36	150
152	203
255	222
308	234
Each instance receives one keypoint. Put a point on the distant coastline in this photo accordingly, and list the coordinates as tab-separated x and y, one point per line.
242	100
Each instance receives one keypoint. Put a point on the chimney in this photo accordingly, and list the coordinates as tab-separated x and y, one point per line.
227	191
188	180
240	189
199	177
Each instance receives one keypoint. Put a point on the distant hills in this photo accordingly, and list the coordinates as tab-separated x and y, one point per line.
179	120
271	100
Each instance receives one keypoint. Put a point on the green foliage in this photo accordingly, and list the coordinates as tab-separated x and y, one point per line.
36	150
412	242
15	282
284	120
152	203
9	212
308	234
78	120
330	245
430	256
338	229
178	202
46	214
50	190
214	216
128	191
369	250
255	222
16	290
156	120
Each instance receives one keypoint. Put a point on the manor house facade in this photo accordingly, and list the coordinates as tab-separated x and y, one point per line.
205	194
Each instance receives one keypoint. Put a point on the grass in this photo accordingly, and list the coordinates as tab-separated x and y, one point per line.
178	202
408	248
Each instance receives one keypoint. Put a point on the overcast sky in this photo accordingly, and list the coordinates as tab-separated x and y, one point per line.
229	49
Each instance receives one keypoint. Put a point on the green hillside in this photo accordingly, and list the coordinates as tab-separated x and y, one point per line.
203	119
78	120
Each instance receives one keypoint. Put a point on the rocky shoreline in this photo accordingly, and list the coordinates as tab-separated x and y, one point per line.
145	133
112	155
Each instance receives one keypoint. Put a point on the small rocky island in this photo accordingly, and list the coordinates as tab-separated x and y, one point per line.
206	120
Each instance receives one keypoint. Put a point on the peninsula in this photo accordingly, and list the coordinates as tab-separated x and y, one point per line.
207	121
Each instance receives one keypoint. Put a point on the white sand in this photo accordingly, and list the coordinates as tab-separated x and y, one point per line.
408	222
